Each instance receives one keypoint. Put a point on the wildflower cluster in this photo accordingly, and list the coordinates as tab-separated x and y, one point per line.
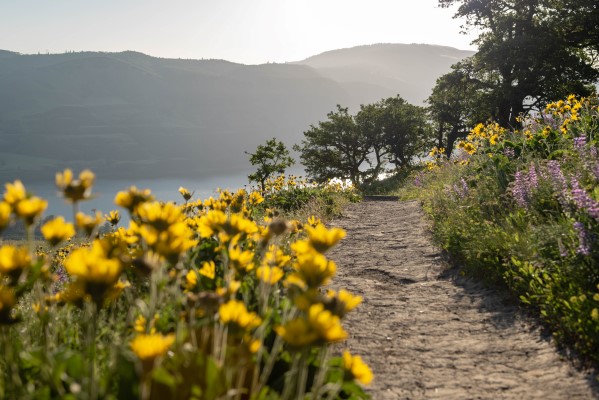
482	135
523	211
291	193
210	298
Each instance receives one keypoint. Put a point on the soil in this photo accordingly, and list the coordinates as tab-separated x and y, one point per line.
427	332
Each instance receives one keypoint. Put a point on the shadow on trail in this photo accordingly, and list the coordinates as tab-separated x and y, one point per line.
503	310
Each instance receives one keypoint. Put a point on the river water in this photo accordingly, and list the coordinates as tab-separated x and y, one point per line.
104	192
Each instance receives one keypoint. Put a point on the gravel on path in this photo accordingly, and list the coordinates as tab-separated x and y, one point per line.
428	333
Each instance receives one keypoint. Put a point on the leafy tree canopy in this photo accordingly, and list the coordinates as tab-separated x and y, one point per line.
271	158
527	56
359	148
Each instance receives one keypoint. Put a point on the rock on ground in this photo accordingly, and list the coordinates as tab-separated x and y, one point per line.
428	333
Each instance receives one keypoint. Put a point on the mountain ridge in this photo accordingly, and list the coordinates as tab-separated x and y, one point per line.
129	115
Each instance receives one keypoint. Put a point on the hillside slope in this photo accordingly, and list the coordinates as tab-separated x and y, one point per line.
367	71
127	115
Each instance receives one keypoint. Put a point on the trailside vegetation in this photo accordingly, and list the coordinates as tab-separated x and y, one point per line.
530	52
272	158
221	298
525	57
520	208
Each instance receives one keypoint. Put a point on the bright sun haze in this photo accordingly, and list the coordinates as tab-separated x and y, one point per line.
249	32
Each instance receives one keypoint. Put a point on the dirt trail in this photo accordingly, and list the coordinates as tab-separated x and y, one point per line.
427	333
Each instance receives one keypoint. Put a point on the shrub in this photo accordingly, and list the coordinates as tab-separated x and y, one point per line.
521	208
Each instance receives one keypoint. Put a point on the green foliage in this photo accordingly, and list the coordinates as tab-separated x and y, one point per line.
358	148
526	56
271	158
523	212
191	301
455	104
335	148
293	196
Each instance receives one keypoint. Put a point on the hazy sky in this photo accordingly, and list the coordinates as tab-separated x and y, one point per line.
246	31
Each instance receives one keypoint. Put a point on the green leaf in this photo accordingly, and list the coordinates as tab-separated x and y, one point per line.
161	375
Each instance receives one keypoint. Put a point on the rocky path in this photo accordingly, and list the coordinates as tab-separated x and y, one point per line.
429	334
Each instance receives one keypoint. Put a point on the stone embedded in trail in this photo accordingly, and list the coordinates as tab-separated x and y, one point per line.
429	334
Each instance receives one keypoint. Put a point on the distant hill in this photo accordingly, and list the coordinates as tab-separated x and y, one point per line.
369	72
130	116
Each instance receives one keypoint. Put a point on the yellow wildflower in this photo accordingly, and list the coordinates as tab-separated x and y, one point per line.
216	222
322	239
139	325
343	301
4	215
88	223
115	291
275	257
269	275
255	198
234	312
57	230
75	190
30	209
185	193
326	324
172	242
8	301
241	260
314	269
469	148
357	368
211	222
313	221
113	217
15	192
191	280
149	347
133	198
94	268
297	333
208	269
159	215
13	260
319	325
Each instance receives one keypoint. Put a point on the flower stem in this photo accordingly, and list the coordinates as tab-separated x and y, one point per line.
91	349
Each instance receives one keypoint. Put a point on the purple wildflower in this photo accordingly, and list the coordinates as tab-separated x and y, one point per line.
583	244
509	152
533	180
62	278
579	143
583	201
418	180
520	189
461	188
558	181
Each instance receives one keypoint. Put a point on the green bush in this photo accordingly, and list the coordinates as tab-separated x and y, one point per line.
521	209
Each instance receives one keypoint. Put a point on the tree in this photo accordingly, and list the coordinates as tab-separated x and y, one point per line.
358	148
523	50
404	129
271	158
457	103
577	21
336	148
